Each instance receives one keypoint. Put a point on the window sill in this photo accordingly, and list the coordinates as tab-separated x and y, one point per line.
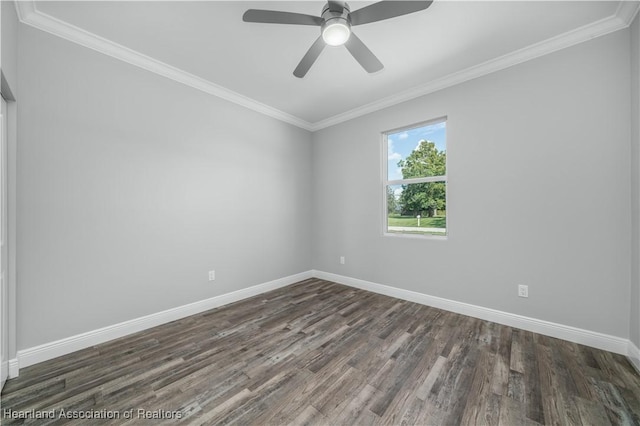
415	236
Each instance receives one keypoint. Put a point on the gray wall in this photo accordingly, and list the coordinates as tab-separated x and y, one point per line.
539	181
9	43
131	187
634	334
9	71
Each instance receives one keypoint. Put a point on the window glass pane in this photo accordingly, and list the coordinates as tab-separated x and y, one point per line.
417	208
418	152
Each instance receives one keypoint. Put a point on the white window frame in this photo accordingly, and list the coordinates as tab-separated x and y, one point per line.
385	182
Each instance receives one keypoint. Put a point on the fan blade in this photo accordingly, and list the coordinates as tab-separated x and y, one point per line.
386	9
362	54
309	58
276	17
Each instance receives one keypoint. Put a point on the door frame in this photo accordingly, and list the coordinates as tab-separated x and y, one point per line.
4	253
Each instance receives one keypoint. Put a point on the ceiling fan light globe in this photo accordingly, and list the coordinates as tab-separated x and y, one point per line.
336	32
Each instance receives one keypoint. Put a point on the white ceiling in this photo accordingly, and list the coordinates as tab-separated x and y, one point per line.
209	40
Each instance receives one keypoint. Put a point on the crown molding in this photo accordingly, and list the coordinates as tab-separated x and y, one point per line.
24	9
28	14
627	11
622	18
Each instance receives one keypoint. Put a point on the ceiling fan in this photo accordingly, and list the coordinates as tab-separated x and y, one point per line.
335	23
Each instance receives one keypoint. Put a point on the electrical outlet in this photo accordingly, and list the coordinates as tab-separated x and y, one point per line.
212	275
523	290
342	260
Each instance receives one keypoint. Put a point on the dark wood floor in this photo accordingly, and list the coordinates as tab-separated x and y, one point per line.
321	353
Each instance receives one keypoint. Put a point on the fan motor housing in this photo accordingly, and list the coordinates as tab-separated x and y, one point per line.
329	14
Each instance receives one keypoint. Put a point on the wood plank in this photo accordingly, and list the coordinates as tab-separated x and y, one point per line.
356	406
532	392
517	356
310	416
511	412
592	413
425	388
500	376
480	390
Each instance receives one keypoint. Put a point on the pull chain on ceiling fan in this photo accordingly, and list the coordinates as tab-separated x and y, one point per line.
335	24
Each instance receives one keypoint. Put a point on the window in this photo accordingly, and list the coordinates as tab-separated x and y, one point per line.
415	180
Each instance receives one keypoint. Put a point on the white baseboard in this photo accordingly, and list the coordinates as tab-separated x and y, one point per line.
634	356
47	351
13	368
594	339
30	356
